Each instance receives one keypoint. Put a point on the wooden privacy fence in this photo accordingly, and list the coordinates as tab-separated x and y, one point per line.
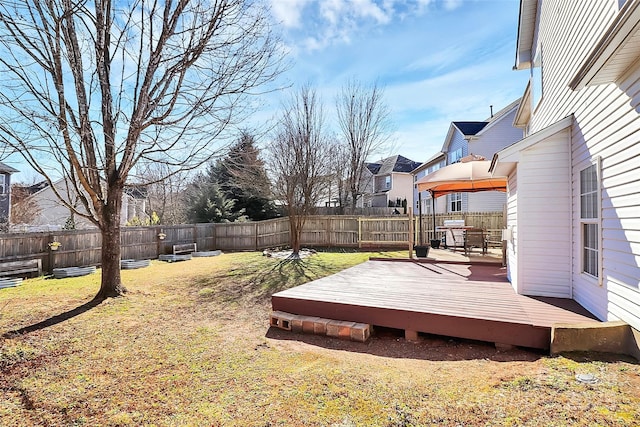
83	247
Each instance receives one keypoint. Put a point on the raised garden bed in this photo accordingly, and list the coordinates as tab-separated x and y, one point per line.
60	273
129	264
174	258
206	253
10	282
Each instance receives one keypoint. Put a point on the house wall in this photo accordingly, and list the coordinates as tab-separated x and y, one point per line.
5	197
51	212
486	201
496	136
401	187
512	228
545	216
606	125
426	197
457	141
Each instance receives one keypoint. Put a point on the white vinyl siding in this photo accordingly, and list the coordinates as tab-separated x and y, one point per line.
486	201
512	227
457	147
544	215
496	136
607	124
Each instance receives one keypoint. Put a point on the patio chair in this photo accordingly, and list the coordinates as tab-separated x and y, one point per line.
475	238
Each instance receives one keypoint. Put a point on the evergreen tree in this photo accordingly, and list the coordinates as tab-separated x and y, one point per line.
242	177
208	203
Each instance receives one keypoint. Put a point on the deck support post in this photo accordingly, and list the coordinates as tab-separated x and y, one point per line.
410	335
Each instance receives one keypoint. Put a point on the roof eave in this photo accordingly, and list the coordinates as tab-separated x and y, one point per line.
521	119
510	154
526	30
612	43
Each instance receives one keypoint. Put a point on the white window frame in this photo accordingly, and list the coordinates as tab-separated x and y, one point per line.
455	156
594	217
387	181
454	198
3	183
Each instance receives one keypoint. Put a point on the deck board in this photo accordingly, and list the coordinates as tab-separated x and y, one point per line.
461	300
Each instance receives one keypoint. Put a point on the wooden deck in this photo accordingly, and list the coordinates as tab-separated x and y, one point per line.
473	301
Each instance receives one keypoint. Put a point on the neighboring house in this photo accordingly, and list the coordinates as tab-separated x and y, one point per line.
50	212
5	193
465	138
574	180
431	165
392	181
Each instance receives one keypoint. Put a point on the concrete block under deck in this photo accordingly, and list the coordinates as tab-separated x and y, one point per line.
320	326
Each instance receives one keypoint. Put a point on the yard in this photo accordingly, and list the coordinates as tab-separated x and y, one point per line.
190	345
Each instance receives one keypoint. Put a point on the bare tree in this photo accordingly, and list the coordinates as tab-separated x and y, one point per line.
365	127
165	192
300	159
24	209
90	90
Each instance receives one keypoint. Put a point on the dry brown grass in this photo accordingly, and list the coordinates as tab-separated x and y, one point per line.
190	345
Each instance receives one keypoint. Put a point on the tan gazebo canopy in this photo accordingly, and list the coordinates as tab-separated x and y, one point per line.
470	175
463	177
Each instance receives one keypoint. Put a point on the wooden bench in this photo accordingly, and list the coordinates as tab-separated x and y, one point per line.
24	268
185	248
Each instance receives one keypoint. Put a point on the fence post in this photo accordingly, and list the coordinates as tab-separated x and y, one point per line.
157	232
359	233
410	232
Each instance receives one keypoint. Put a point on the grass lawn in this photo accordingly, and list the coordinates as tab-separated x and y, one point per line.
190	345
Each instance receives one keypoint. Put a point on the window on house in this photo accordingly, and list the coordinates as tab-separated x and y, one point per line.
426	205
537	85
455	156
3	181
590	220
387	182
455	202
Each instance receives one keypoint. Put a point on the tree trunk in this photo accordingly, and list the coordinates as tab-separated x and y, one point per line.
294	225
111	284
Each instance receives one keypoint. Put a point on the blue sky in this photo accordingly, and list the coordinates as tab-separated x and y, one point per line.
438	60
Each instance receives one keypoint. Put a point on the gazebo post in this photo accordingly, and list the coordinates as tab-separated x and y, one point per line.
433	212
420	239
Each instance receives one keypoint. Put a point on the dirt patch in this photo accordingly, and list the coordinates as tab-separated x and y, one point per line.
288	253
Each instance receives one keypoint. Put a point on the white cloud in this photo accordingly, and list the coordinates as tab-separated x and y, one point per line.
452	4
368	9
288	12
